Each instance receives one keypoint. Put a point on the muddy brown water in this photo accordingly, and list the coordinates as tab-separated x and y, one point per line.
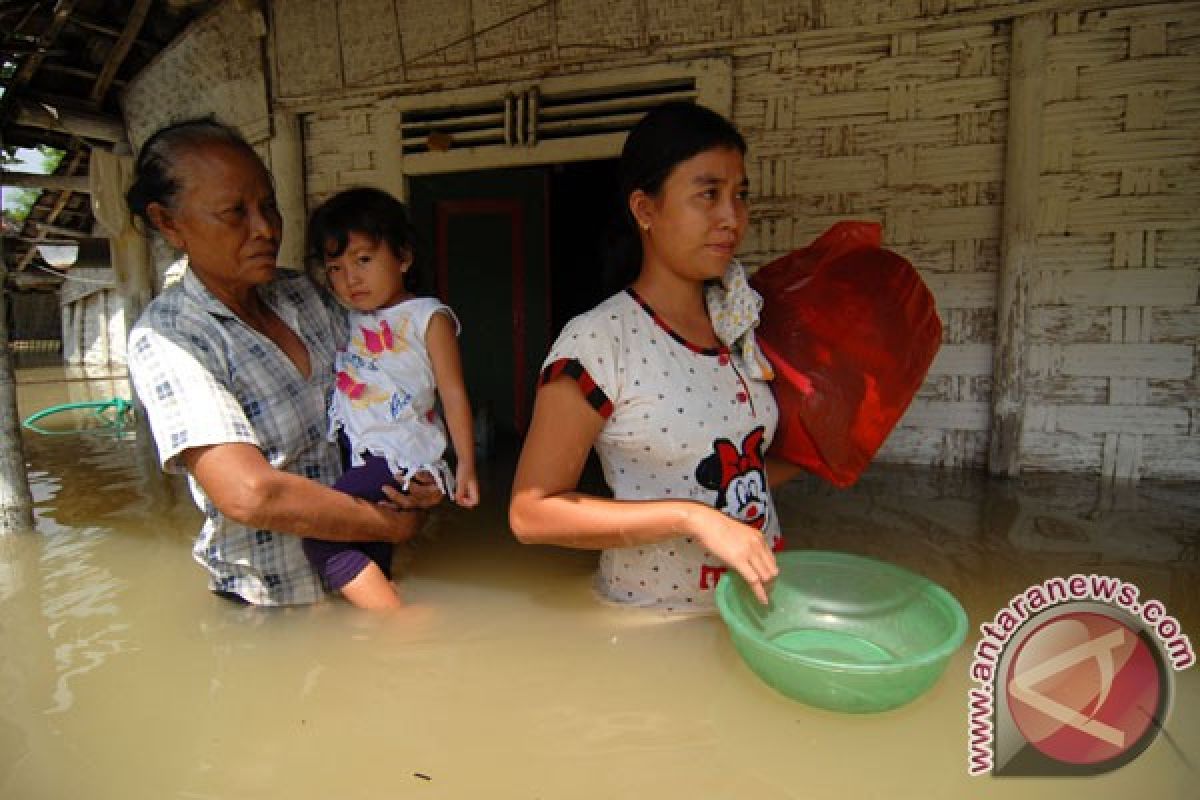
122	677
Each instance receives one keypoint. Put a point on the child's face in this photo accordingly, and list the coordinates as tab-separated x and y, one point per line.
367	275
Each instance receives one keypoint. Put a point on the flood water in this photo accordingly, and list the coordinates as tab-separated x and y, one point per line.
122	677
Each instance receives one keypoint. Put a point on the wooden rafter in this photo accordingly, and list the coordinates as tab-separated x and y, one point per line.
109	31
133	25
105	127
58	19
35	180
59	204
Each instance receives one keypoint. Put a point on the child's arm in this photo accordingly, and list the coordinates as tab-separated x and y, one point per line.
442	343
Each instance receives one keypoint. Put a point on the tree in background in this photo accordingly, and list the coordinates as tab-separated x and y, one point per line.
18	202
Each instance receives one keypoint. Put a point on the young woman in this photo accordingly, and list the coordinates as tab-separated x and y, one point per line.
665	381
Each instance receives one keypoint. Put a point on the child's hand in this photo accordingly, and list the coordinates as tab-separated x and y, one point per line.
466	492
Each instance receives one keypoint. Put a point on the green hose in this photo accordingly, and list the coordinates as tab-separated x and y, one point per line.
119	407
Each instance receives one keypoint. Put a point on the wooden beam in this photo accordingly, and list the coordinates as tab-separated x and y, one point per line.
58	19
79	123
74	233
59	204
70	69
1018	244
20	136
34	180
108	30
26	49
133	25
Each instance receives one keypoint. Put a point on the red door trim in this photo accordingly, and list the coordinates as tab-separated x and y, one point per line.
442	212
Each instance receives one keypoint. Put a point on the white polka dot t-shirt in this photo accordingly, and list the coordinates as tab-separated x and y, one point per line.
681	421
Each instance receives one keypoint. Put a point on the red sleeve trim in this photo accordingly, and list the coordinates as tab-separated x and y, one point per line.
572	369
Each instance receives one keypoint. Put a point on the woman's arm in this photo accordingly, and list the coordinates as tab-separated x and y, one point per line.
442	343
546	509
247	489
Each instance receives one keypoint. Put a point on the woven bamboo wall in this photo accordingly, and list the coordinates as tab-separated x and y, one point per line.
897	112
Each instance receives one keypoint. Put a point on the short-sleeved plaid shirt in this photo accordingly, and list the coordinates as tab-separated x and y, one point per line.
205	377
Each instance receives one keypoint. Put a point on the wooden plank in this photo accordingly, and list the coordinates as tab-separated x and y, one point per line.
1088	48
1123	360
1157	73
963	359
839	174
962	290
1095	420
1174	149
120	49
969	416
1155	212
1120	287
953	97
958	222
1057	324
1178	324
34	180
1170	458
855	105
1057	452
77	123
58	20
975	162
1075	253
64	197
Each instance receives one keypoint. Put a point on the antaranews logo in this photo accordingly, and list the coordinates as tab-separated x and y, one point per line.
1074	678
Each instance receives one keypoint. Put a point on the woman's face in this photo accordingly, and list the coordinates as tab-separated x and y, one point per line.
224	217
696	222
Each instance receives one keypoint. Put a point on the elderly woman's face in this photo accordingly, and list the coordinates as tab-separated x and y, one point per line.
224	216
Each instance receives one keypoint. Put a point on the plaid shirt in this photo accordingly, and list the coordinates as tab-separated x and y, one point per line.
205	378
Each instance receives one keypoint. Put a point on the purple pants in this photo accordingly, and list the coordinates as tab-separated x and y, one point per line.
338	563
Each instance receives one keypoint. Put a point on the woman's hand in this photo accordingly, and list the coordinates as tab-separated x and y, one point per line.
423	493
742	547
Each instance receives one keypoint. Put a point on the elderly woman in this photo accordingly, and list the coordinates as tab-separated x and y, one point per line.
234	365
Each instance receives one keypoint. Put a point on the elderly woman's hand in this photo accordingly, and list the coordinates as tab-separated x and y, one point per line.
423	493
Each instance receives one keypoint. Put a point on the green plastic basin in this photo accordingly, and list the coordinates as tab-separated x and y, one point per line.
844	632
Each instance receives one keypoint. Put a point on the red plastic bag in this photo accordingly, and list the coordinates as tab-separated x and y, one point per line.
851	330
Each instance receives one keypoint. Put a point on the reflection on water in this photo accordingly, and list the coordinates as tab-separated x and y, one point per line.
120	677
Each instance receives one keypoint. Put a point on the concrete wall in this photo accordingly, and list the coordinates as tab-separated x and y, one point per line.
898	112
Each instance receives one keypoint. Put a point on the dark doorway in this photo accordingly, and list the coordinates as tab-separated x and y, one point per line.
516	253
584	205
482	243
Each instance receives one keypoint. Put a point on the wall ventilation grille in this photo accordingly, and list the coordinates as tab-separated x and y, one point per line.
529	116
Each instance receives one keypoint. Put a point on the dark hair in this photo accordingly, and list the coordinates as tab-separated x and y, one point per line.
667	136
155	178
370	212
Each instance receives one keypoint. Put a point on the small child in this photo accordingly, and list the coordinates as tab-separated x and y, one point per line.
401	357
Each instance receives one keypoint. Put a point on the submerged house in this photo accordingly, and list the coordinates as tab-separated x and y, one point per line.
1037	161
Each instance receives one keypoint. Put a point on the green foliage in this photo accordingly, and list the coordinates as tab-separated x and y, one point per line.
51	157
19	202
